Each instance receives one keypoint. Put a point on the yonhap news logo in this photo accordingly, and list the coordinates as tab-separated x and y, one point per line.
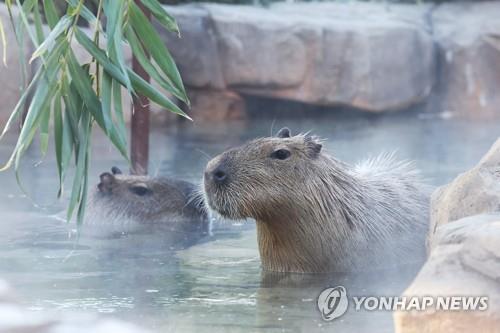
333	303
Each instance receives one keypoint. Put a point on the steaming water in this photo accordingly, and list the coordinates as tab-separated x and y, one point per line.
217	285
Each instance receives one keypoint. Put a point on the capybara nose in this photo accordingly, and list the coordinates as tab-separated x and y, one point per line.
219	175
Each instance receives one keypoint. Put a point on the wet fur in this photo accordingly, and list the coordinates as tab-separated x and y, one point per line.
170	205
315	213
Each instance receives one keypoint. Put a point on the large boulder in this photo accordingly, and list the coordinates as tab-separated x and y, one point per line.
196	51
464	261
363	55
464	255
215	105
468	39
474	192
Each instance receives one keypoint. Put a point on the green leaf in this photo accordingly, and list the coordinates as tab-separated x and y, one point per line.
68	140
154	95
84	11
26	9
37	111
58	138
106	99
38	24
32	122
155	46
117	106
81	163
50	13
71	118
83	201
59	29
20	104
161	15
40	98
44	128
140	55
4	44
73	95
20	27
74	105
41	71
100	56
137	82
115	13
83	84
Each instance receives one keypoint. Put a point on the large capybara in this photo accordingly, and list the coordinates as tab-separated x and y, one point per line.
315	213
137	203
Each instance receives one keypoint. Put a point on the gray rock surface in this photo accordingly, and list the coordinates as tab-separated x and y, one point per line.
209	105
363	55
468	39
464	261
371	56
473	192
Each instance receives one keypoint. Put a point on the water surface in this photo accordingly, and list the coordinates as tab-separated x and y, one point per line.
217	285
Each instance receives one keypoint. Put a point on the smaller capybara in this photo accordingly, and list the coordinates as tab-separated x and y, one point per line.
137	203
315	213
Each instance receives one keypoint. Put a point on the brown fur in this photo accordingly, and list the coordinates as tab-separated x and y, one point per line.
146	201
315	213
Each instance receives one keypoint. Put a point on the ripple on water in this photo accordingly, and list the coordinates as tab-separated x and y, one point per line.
101	304
216	286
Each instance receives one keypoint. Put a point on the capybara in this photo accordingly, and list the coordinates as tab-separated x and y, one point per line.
135	203
315	213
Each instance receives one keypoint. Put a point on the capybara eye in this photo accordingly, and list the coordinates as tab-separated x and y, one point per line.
140	190
281	154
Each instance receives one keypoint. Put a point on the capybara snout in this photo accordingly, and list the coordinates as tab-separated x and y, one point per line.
315	213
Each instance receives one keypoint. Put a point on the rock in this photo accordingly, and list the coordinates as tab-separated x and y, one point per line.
200	68
367	56
215	105
270	54
474	192
464	255
468	39
464	261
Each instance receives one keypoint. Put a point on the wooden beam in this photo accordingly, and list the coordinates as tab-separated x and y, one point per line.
139	131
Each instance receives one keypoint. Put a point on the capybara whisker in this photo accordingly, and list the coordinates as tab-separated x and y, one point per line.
141	202
315	213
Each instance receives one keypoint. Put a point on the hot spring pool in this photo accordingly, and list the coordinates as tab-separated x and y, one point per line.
217	285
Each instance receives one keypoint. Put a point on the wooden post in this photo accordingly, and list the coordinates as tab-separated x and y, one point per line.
139	132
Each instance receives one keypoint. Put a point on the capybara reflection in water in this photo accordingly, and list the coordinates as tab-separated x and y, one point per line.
315	213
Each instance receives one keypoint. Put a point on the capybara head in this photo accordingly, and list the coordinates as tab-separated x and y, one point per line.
315	213
145	198
260	178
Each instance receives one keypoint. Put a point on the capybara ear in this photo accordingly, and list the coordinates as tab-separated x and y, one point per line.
283	133
313	145
106	183
116	171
